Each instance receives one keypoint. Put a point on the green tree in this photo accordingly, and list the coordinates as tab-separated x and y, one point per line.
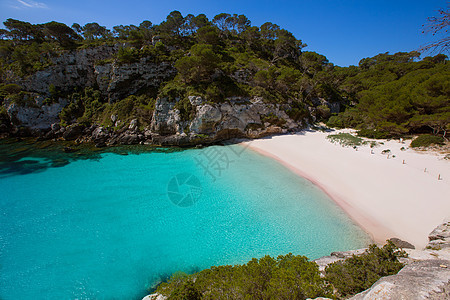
94	31
269	30
200	65
173	24
60	32
222	21
22	30
208	35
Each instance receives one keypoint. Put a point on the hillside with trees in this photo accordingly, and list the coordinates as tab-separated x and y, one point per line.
219	59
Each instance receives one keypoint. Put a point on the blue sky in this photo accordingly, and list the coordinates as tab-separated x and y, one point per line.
343	30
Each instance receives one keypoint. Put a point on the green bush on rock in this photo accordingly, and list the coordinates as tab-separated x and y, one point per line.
358	273
286	277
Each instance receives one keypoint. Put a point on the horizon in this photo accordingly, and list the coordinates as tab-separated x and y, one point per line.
346	32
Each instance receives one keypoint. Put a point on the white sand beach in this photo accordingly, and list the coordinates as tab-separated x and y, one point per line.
398	196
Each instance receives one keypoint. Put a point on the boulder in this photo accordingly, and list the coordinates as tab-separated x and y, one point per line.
154	297
427	279
206	119
55	127
439	238
100	135
195	100
402	244
72	132
33	115
166	120
127	138
133	124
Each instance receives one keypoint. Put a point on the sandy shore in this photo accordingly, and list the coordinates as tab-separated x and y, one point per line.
398	196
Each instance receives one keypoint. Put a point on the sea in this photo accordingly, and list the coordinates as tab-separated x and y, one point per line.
77	222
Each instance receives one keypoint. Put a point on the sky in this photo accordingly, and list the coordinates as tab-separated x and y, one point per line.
345	31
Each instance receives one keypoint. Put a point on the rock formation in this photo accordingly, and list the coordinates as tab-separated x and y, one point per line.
38	113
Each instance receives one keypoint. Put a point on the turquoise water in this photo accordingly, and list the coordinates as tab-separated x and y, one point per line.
113	226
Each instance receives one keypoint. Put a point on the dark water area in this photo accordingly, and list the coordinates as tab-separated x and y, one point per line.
26	156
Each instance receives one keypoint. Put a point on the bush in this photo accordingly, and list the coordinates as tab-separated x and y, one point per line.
8	89
127	55
187	111
374	134
359	273
335	122
187	291
286	277
346	139
323	112
273	120
427	140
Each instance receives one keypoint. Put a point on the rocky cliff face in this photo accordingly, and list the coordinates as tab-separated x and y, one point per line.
35	115
69	70
211	123
237	117
94	67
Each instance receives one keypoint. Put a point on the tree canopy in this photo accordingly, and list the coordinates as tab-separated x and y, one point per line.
385	95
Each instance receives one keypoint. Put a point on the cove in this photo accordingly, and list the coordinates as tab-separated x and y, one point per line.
112	224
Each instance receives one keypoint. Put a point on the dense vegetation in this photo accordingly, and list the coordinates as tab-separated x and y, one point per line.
384	96
427	140
286	277
393	95
359	273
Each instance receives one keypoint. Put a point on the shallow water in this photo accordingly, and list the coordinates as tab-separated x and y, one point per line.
106	225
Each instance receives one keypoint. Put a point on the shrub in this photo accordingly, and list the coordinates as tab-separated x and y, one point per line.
187	111
335	122
323	112
286	277
359	273
346	139
127	55
374	134
71	112
427	140
8	89
273	120
187	291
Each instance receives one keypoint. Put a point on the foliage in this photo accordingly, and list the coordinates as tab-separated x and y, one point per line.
394	95
286	277
346	139
127	55
359	273
427	140
273	119
373	134
200	65
8	89
388	95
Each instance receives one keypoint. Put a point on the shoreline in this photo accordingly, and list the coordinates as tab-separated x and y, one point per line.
377	232
385	197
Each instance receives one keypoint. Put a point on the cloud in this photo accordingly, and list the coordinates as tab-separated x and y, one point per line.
30	4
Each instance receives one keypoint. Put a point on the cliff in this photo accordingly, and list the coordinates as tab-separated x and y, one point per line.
36	110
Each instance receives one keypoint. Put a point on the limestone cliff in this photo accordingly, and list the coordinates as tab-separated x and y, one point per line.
97	68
